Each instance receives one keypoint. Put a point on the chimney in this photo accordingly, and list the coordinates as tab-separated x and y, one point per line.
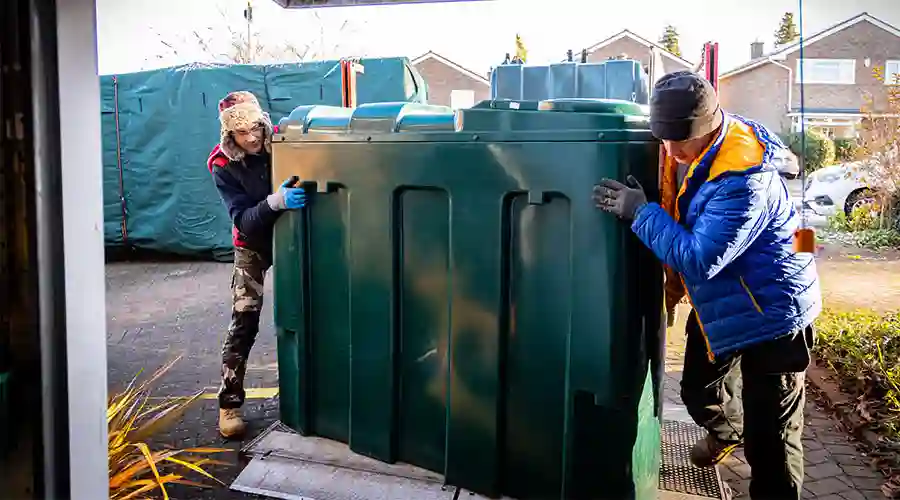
756	50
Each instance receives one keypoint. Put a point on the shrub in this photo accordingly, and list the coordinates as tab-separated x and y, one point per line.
877	239
846	149
863	348
133	418
819	149
864	218
866	228
839	222
893	209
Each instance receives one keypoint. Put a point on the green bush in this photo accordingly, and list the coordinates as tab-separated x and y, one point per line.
877	239
893	211
839	222
864	218
819	149
846	149
867	228
863	348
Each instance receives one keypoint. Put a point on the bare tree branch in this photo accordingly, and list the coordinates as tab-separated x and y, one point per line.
879	154
228	41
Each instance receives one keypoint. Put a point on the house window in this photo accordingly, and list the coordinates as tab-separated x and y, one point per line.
892	73
462	99
826	131
835	128
828	71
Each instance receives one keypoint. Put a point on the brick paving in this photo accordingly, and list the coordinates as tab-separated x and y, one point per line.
156	311
835	469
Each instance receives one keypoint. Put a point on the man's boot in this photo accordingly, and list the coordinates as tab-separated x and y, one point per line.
710	451
230	423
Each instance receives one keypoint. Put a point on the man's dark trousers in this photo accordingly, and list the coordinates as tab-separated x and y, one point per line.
756	396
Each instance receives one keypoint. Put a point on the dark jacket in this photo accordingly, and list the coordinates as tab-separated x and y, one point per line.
732	242
243	186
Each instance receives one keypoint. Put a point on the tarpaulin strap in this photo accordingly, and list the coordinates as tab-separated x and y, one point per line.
349	69
711	58
346	84
122	202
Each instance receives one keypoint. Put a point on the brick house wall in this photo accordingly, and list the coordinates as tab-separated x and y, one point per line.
634	50
442	79
761	93
857	42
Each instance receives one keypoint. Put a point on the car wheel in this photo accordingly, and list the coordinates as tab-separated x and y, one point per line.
859	198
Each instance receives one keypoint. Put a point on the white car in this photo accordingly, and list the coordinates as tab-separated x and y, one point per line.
838	187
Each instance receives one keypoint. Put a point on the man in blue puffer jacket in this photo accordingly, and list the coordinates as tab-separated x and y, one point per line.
728	241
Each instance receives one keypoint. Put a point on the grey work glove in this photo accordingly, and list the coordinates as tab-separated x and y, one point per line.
287	197
623	200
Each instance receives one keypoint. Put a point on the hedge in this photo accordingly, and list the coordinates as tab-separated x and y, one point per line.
820	150
863	349
846	149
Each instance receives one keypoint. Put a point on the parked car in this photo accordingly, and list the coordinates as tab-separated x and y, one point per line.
787	164
838	187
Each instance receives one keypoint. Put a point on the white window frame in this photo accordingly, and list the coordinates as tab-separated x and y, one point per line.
459	98
826	130
848	71
824	124
892	72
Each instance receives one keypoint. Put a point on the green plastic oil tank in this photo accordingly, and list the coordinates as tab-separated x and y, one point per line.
452	299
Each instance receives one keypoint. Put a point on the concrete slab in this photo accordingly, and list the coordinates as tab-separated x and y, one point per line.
293	479
289	466
279	441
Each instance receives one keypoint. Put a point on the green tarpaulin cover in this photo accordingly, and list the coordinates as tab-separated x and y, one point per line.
159	127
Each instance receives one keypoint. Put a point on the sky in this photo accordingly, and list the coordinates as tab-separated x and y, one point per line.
135	35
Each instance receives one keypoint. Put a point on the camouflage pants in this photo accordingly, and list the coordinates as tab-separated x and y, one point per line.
247	281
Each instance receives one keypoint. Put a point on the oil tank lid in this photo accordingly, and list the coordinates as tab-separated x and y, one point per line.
604	106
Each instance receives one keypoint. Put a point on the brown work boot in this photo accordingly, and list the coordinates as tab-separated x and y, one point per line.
710	451
231	424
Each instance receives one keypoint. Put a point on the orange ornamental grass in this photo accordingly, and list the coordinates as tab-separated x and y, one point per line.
135	470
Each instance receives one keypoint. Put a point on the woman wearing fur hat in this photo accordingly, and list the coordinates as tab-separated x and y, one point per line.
245	185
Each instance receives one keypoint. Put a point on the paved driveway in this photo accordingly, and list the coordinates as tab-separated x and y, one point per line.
157	311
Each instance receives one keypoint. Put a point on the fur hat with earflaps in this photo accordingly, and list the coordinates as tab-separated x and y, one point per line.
241	111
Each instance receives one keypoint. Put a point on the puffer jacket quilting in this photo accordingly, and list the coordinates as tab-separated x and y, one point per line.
733	242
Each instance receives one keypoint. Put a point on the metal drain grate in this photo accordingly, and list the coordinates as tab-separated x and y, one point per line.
676	472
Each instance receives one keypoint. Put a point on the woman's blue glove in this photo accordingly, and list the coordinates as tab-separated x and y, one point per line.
287	197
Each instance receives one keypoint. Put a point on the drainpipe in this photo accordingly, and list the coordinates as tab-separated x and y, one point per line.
790	85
